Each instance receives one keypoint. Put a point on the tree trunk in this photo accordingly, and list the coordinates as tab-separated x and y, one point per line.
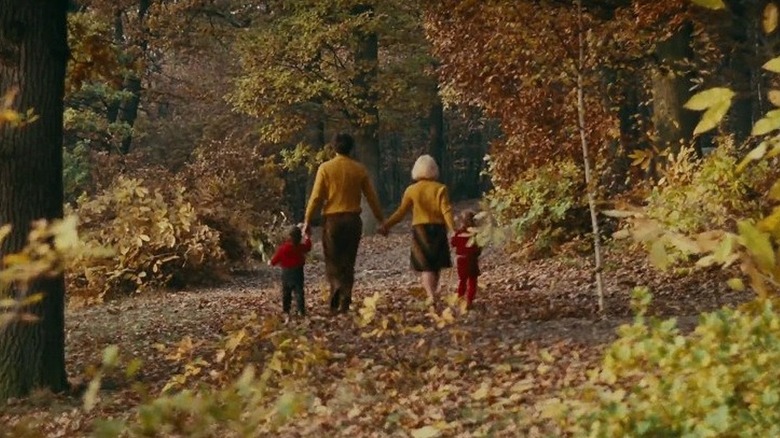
128	111
367	138
33	55
739	60
671	89
436	145
112	112
305	178
597	270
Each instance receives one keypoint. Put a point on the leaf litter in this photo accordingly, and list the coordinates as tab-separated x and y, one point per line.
534	331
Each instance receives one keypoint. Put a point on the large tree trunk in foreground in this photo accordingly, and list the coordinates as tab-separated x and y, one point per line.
33	55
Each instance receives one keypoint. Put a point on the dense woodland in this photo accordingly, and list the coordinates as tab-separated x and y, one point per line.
622	155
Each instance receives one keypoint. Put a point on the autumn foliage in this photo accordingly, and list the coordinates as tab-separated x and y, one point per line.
497	64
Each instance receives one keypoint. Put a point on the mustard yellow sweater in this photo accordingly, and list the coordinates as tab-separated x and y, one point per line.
429	202
340	182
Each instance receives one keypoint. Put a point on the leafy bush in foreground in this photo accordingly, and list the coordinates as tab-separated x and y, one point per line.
695	195
721	380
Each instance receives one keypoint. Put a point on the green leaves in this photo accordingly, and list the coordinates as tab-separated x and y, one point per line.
715	102
716	381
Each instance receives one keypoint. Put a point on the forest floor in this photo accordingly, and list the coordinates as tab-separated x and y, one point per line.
534	331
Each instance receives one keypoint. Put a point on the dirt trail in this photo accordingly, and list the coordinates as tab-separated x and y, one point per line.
522	307
548	300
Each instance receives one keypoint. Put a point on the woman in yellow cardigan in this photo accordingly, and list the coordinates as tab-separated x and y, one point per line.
431	220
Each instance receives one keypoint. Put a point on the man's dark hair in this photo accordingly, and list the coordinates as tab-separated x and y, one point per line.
343	143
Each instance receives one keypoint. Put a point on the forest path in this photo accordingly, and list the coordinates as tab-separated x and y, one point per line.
545	301
522	308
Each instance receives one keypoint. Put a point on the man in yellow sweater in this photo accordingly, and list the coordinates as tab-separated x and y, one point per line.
339	185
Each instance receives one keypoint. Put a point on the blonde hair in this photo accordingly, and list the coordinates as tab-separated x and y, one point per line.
425	168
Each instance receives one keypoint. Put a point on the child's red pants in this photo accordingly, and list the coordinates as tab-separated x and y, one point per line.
467	286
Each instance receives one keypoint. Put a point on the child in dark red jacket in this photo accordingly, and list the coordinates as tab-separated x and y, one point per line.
291	256
467	257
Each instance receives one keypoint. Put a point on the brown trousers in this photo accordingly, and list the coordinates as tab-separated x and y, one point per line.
340	241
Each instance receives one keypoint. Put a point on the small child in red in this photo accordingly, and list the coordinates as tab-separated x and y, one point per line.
467	257
291	256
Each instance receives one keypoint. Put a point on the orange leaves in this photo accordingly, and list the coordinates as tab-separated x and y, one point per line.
516	61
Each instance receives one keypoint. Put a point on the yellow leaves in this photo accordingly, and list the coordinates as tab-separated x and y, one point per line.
774	97
736	284
770	122
772	65
658	255
758	245
659	382
7	114
110	356
771	223
367	311
482	392
710	4
155	231
643	158
769	18
426	432
235	339
715	102
10	116
756	154
182	350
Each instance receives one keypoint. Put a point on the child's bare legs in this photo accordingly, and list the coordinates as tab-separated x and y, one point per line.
430	282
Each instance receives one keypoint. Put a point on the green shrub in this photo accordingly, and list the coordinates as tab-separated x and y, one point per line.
721	380
695	195
76	171
538	206
155	233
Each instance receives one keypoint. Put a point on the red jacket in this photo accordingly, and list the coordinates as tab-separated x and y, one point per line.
467	255
290	255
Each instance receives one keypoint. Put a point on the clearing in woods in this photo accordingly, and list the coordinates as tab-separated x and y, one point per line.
533	331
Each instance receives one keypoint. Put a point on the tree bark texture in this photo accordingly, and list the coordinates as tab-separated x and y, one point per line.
367	136
436	145
671	89
33	56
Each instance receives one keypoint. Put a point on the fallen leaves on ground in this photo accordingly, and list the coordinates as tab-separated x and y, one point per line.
492	372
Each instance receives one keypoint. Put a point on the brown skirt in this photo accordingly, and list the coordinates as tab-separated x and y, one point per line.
430	248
